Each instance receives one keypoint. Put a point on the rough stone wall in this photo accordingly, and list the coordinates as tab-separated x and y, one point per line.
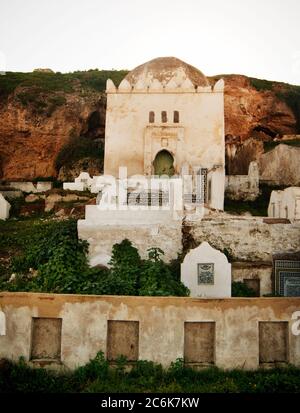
245	239
281	166
161	327
243	187
36	139
101	239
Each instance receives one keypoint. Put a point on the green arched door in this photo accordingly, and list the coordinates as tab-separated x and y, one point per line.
163	163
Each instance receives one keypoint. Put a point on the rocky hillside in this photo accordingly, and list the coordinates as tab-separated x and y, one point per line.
52	124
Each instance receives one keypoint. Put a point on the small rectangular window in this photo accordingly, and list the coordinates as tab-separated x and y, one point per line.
199	342
122	339
164	116
151	117
46	338
273	341
176	116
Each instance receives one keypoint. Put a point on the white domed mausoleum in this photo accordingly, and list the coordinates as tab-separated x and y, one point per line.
165	118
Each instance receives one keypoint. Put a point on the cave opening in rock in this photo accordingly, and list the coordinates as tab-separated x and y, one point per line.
95	126
264	130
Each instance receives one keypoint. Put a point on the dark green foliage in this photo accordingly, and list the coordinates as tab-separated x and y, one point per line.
50	258
156	277
78	148
125	267
239	289
94	80
145	376
261	84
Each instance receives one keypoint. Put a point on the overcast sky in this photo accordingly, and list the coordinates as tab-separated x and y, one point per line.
259	38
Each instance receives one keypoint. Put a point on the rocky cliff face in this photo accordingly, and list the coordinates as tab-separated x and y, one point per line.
30	140
255	113
36	124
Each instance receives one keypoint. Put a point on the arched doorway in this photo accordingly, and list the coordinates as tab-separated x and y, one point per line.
163	163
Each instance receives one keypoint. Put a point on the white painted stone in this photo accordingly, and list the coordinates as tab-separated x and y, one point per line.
243	187
140	85
23	186
4	208
124	86
72	186
204	89
187	85
110	86
155	85
285	204
219	86
172	84
82	183
2	324
205	254
41	186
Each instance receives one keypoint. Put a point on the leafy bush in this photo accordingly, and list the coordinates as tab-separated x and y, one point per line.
239	289
53	259
156	277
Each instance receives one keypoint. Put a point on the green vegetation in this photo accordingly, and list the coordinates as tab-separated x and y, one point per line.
58	82
145	376
49	257
78	148
239	289
261	84
268	146
259	207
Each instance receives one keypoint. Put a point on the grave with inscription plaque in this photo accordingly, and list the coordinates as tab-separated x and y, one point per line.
206	272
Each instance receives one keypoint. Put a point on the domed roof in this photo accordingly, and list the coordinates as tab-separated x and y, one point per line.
164	69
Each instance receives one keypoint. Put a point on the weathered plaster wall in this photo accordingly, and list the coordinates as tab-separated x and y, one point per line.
245	238
144	228
254	271
243	187
161	325
201	142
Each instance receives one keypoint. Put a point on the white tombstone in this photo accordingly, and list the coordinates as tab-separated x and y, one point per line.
82	183
206	272
4	208
2	324
285	204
